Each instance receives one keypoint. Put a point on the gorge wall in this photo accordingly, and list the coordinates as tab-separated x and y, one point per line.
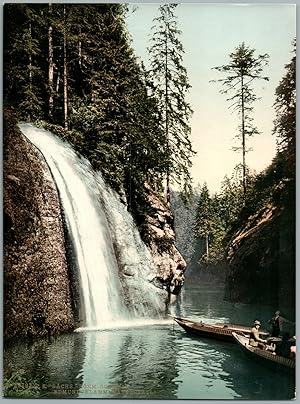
40	290
261	259
169	262
37	299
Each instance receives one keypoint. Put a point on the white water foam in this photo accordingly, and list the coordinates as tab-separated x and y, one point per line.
115	325
97	221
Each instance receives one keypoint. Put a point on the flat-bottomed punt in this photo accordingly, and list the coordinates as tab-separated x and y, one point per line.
276	362
219	331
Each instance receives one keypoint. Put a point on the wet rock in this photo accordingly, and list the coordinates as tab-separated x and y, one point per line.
36	283
169	263
41	291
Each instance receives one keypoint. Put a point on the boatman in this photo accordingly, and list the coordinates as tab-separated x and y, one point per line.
255	339
277	324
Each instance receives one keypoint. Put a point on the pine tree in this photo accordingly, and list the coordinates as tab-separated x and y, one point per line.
91	89
50	64
22	72
171	87
116	111
204	222
231	198
285	107
243	69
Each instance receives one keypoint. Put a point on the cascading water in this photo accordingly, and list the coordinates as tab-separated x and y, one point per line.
98	224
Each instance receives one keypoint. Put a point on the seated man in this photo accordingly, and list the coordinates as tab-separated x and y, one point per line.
255	339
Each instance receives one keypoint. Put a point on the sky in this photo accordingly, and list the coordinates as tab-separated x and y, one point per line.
210	32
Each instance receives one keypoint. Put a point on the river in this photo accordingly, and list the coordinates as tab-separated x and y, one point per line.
151	359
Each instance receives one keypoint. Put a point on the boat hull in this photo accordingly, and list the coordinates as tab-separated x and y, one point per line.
221	332
266	358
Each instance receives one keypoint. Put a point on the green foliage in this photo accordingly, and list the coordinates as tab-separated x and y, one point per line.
204	216
285	107
170	86
16	386
220	216
241	71
22	53
275	186
112	117
231	200
209	225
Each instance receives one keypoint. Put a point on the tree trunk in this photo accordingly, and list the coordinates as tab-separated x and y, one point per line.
168	195
65	74
51	65
79	49
30	66
30	58
57	82
243	138
206	245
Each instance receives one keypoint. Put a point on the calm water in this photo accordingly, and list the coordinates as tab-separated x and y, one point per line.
156	360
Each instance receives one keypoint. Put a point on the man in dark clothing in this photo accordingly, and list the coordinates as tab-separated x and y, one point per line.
277	324
284	347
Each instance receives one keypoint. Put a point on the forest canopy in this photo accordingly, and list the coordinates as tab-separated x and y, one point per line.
71	69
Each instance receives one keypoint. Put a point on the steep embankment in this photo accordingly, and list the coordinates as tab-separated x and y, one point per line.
37	298
261	256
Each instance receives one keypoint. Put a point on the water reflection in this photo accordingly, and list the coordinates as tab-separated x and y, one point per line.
209	369
205	302
151	361
232	375
254	381
50	366
200	369
134	363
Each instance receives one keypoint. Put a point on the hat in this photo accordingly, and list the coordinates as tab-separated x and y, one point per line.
256	322
277	313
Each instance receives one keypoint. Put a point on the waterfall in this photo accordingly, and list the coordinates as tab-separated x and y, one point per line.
103	235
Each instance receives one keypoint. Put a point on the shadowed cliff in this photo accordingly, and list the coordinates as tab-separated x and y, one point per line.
37	299
261	253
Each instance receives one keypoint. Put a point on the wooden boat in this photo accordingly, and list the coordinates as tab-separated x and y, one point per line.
276	362
219	331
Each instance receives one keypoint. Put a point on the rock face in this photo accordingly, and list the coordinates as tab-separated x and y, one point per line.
261	260
169	262
37	299
41	293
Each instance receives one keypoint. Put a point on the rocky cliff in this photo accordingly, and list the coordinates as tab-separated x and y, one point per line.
41	293
169	262
37	298
261	258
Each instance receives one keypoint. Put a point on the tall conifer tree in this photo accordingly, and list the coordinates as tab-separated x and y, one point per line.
171	87
204	220
241	71
78	71
22	73
285	107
